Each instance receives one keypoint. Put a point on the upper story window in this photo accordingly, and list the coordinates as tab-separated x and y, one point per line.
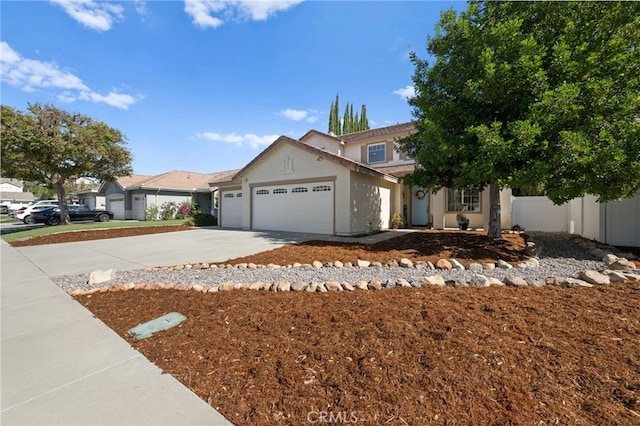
458	199
377	153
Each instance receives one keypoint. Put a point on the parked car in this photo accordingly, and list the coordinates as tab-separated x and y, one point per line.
77	213
24	213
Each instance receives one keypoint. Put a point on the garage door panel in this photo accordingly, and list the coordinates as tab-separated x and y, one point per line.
231	209
116	205
295	208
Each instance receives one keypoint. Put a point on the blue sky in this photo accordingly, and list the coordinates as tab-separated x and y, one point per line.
205	85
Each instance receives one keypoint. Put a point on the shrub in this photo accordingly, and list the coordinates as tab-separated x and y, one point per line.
151	213
201	219
168	210
397	221
184	210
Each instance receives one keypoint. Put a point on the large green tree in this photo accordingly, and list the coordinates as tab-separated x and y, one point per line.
530	94
53	147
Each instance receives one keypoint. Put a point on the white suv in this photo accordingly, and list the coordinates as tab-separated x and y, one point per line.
25	215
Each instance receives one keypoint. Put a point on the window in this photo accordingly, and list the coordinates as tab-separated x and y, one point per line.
262	192
239	195
300	189
228	195
458	199
321	188
377	153
279	191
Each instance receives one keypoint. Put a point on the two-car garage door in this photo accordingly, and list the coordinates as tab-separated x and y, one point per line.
295	207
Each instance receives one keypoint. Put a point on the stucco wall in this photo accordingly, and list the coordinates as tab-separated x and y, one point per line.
324	142
371	203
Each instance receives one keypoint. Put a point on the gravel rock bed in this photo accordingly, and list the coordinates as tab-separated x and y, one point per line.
560	256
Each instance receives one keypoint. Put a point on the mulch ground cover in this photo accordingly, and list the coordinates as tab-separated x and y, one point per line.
496	355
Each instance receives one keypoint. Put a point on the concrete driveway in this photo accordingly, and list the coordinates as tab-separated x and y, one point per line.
60	365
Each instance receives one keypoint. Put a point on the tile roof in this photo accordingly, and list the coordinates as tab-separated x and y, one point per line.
398	171
379	132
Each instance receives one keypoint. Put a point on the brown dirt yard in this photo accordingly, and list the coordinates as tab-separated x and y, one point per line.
428	356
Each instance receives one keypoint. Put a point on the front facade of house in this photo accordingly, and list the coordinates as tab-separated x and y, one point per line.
340	185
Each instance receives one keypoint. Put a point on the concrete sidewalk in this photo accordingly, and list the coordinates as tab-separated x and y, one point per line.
62	366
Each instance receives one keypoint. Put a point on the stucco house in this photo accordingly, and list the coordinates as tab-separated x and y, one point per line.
130	196
341	185
11	191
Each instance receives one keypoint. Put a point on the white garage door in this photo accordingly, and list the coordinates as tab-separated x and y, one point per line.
231	209
116	205
296	208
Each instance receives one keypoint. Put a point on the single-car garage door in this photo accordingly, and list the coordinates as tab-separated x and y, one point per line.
231	209
116	205
296	208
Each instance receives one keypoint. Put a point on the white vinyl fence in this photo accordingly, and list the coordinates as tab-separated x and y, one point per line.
539	214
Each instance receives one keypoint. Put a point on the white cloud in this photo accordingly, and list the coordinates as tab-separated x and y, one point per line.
98	16
406	92
202	11
141	7
31	75
254	141
298	115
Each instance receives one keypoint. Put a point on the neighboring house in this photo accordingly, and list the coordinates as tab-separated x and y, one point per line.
343	185
12	195
129	197
92	198
10	185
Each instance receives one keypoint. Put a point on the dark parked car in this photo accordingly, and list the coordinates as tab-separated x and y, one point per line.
51	215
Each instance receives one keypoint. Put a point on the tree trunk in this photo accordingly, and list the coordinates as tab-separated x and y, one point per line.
495	230
62	203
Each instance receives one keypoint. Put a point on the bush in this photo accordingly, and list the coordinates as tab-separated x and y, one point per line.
397	221
201	219
169	210
151	213
184	210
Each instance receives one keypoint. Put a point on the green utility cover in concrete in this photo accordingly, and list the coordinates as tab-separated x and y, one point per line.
165	322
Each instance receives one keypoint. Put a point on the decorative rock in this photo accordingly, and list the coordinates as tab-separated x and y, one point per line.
622	264
297	265
333	286
475	267
616	277
631	277
391	283
495	281
376	264
317	264
312	288
298	286
362	285
322	288
416	284
501	264
348	265
579	283
338	264
403	283
609	258
421	264
406	263
347	286
363	263
594	277
328	265
252	266
374	285
515	281
241	266
436	280
241	286
457	283
478	280
532	262
444	264
213	289
258	285
456	264
198	287
226	286
101	276
489	266
431	266
284	286
536	282
392	263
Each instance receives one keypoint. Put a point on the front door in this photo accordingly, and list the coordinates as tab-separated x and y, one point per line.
419	206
